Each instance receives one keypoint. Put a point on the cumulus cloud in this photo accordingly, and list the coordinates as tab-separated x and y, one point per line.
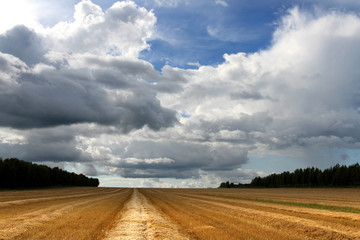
121	30
296	96
43	90
49	82
77	92
24	44
305	95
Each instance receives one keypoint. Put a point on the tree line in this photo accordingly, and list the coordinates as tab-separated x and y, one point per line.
15	173
337	176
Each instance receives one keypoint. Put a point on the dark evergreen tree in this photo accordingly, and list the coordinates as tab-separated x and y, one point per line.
337	176
15	173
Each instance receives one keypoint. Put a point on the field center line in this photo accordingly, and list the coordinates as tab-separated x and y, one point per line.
141	220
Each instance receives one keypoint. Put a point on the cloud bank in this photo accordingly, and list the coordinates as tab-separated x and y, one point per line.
77	92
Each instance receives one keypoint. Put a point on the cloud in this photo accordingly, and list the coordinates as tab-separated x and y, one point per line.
24	44
169	3
194	64
17	12
294	97
247	95
43	145
44	88
222	32
78	93
344	156
121	30
90	170
222	3
66	96
165	159
309	93
205	179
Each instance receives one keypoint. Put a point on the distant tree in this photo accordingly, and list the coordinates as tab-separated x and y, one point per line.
15	173
309	177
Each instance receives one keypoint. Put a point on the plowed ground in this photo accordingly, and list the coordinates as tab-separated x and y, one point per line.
119	213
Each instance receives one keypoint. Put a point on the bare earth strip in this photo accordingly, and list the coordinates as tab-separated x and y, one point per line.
140	220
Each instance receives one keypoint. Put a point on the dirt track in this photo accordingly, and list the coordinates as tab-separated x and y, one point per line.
141	220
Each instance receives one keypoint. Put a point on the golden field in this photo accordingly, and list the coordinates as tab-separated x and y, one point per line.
121	213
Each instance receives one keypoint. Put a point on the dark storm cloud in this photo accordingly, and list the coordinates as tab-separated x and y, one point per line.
24	44
68	96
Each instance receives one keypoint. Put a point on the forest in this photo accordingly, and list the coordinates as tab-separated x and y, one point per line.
337	176
15	173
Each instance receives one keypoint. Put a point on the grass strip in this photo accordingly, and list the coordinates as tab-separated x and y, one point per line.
306	205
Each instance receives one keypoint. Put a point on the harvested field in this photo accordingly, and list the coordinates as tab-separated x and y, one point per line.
262	213
118	213
69	213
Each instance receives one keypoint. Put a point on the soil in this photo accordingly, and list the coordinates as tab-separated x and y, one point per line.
141	220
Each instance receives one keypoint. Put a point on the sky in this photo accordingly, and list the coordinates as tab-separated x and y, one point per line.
180	93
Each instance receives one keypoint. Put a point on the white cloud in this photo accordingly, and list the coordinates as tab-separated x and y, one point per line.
121	30
169	3
17	12
222	3
194	64
11	137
